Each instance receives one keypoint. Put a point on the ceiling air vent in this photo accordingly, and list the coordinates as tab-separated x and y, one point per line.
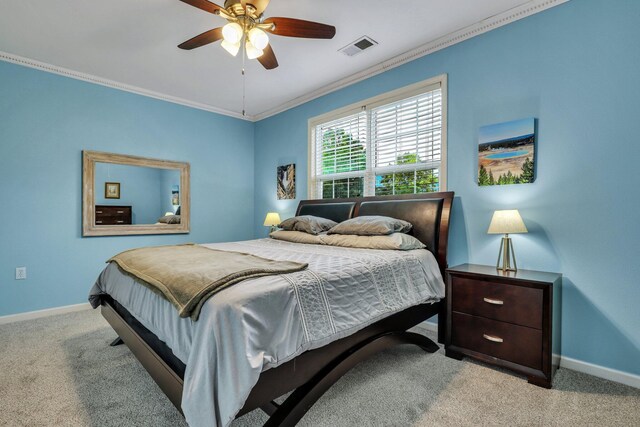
358	46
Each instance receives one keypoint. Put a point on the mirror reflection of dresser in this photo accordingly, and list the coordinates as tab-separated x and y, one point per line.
124	195
113	215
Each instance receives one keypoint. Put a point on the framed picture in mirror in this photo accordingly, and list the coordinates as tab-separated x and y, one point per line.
111	190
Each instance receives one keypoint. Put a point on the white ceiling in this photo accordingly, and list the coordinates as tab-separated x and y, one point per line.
134	43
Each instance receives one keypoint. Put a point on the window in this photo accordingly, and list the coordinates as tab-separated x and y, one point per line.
391	144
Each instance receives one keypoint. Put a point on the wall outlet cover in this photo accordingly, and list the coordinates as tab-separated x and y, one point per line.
21	273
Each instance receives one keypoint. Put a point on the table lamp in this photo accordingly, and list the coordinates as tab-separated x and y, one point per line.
506	222
272	220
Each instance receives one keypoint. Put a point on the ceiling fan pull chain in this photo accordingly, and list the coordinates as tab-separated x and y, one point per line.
243	91
244	78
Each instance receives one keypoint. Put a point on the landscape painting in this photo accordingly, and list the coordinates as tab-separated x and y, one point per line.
506	153
286	182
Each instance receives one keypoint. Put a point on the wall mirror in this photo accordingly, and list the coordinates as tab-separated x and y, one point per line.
127	195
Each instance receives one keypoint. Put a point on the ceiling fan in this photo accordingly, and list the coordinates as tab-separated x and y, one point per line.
247	23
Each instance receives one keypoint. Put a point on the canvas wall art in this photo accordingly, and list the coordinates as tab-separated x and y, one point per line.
286	182
175	195
506	153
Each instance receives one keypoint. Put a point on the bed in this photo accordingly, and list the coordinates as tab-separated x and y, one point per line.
263	338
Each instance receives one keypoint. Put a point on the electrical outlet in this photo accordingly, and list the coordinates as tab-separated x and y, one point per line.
21	273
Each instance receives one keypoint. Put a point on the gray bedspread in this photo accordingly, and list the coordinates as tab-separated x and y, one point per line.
261	323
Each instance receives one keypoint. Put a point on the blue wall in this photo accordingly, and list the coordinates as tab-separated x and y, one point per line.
45	122
140	188
574	68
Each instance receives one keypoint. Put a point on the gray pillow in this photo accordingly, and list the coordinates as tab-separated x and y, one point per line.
373	225
394	241
307	224
297	237
169	219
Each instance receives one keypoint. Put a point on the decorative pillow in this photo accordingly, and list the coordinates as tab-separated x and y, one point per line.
296	237
307	224
394	241
169	219
373	225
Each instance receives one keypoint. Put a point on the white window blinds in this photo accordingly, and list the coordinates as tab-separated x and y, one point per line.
406	138
341	161
389	146
407	134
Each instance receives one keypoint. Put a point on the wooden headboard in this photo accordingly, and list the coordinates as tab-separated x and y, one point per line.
429	213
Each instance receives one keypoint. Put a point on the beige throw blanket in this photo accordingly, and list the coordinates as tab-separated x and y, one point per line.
188	275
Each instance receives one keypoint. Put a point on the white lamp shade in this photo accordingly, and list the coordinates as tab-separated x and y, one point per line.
252	51
232	48
272	218
232	32
507	222
258	38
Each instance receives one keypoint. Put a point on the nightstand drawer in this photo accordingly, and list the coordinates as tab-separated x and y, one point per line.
508	303
517	344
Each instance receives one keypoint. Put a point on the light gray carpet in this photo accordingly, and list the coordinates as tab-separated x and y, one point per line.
61	371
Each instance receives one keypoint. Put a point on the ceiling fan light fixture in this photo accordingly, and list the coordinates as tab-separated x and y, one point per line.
247	24
259	39
232	48
232	32
252	51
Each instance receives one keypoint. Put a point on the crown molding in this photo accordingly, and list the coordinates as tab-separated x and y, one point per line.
519	12
43	66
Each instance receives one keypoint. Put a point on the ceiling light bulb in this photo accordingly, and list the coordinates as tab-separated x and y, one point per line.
232	32
258	38
252	51
232	48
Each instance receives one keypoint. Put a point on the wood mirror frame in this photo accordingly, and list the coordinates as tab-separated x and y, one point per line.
89	227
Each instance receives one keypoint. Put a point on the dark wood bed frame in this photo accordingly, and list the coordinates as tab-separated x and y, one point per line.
312	373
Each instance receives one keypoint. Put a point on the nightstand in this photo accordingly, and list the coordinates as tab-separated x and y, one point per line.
507	319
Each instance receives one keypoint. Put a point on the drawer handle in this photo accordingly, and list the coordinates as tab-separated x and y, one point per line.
120	222
492	338
493	301
120	211
98	211
98	222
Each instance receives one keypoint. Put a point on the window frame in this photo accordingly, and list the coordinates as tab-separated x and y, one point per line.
370	104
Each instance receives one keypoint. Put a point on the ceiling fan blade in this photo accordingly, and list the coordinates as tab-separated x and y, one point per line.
290	27
268	58
202	39
204	5
260	5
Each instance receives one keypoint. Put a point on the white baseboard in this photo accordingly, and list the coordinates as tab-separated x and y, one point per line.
43	313
600	371
576	365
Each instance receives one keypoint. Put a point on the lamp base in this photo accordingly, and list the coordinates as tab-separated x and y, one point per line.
507	254
272	229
